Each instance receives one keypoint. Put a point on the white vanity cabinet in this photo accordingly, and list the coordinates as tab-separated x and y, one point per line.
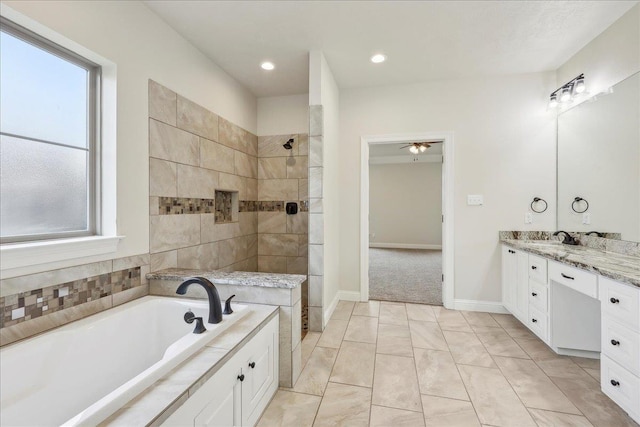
620	360
515	282
538	297
239	392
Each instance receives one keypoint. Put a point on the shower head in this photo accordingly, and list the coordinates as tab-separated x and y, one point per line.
288	145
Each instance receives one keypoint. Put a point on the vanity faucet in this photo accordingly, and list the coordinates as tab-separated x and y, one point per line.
597	233
567	238
215	308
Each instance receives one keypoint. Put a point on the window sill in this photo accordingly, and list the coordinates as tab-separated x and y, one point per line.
30	254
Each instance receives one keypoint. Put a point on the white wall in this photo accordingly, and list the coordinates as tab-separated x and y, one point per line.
143	47
278	115
504	149
405	204
609	58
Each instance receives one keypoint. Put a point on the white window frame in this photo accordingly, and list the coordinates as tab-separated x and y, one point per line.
21	258
93	131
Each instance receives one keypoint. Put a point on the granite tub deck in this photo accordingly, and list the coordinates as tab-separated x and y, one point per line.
620	267
281	290
153	406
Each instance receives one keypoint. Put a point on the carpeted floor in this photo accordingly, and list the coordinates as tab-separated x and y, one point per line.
405	275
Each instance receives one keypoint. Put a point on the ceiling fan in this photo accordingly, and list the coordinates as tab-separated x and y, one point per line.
420	147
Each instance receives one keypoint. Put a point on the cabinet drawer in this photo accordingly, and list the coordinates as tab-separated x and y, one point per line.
621	344
620	385
538	269
578	280
537	322
538	296
621	302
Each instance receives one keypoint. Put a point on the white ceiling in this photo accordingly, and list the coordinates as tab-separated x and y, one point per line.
423	40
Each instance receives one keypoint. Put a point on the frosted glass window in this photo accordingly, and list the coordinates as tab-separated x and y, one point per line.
43	96
48	125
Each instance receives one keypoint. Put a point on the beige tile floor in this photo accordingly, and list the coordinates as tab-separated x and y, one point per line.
393	364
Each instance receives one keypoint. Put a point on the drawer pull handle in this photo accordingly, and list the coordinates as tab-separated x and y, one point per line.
615	383
241	377
534	320
252	365
533	294
567	277
615	342
533	267
614	300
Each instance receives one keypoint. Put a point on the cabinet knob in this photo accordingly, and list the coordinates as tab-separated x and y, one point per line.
534	320
241	377
615	342
533	294
615	383
252	365
614	300
533	267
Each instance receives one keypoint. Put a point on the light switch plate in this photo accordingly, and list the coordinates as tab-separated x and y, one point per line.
475	200
586	218
528	218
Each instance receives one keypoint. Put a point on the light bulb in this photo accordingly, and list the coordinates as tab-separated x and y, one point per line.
267	66
580	87
566	94
378	58
414	149
423	148
553	101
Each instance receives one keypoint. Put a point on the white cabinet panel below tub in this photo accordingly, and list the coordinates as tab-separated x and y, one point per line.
237	394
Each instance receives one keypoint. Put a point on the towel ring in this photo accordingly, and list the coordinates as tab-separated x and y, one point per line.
578	200
536	200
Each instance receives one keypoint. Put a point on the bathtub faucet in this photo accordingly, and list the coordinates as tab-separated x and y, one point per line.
215	308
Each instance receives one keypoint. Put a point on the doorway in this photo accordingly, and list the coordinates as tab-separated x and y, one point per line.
406	218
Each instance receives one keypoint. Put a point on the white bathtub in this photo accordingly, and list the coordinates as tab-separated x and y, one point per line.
83	372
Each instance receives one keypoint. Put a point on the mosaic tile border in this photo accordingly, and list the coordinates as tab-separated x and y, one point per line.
224	206
36	303
186	206
183	205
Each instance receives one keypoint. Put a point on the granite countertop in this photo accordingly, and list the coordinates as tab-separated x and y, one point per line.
154	405
238	278
620	267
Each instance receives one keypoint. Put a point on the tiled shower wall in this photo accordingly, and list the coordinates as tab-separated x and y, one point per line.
316	220
192	153
283	178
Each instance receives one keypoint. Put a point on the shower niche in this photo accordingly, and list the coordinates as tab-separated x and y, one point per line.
226	206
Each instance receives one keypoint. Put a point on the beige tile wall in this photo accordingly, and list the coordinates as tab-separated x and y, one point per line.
194	152
283	175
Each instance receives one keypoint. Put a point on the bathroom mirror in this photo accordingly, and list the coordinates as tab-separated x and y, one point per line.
599	163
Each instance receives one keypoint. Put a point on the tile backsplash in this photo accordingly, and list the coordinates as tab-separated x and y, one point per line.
38	302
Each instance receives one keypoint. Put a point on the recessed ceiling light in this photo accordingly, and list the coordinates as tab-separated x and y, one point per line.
378	58
267	65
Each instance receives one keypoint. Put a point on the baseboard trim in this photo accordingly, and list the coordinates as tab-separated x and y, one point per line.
349	295
475	305
330	309
404	246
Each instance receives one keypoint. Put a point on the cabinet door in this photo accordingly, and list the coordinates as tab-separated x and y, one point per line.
224	409
522	286
216	403
509	278
260	374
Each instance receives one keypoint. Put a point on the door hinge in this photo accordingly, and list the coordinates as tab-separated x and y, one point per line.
442	218
443	278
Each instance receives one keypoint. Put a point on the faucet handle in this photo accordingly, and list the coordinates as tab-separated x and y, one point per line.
189	317
227	306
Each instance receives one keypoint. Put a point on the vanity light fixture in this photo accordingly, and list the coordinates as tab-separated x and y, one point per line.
267	66
567	92
378	58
